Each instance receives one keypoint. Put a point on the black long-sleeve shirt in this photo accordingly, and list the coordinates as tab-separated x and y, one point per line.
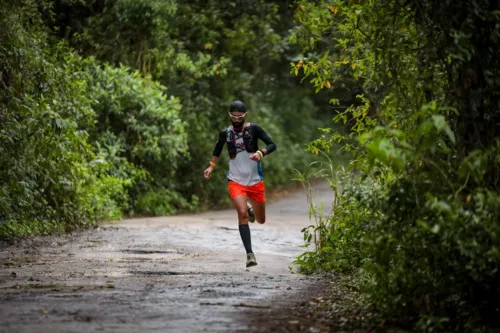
256	132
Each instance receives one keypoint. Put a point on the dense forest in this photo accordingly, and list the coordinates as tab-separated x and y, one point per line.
111	108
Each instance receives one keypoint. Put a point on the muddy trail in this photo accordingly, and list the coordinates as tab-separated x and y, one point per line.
168	274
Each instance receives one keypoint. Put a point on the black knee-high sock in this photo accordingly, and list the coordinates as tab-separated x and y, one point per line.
245	237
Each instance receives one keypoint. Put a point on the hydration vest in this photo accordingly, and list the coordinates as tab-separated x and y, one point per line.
232	149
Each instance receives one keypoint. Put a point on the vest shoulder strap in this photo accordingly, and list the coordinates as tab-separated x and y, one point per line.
230	131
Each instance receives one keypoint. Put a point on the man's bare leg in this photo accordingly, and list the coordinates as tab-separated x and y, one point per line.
259	209
240	204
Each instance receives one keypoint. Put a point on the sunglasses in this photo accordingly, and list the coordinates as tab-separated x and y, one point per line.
237	117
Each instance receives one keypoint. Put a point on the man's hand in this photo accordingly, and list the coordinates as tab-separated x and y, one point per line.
255	157
208	172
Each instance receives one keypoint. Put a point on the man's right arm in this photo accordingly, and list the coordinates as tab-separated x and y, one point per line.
219	144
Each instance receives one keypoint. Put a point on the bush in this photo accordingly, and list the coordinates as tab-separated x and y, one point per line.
50	178
426	251
139	132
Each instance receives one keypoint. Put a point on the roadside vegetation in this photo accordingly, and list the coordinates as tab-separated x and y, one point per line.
416	217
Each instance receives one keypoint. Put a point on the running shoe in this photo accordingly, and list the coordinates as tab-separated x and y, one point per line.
251	261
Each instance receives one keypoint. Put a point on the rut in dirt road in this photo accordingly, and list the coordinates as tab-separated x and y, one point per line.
169	274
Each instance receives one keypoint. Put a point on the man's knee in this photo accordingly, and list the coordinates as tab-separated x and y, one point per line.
242	212
261	219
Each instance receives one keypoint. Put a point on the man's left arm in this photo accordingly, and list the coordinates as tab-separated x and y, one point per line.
270	145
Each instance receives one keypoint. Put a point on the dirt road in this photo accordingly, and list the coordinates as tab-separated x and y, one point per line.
169	274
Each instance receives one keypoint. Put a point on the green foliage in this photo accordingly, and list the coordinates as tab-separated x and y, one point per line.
50	178
337	235
145	34
164	202
417	211
139	132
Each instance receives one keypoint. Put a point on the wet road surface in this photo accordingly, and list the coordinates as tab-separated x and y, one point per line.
167	274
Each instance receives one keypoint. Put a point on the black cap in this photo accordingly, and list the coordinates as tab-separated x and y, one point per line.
237	106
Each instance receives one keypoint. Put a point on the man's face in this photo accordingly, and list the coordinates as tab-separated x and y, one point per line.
237	118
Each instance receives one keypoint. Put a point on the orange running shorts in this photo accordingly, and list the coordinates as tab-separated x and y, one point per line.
255	192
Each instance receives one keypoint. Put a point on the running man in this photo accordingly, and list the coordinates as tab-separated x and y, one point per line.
245	177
